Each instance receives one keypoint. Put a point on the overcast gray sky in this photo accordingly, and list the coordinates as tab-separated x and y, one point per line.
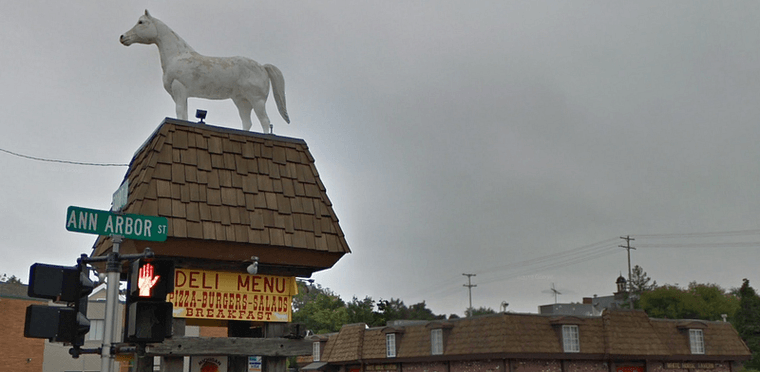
512	140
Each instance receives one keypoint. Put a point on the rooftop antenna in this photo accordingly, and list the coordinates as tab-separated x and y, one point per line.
556	292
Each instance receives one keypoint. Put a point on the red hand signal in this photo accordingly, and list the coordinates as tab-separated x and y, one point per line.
146	281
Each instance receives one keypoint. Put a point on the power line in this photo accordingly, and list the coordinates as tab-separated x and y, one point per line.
570	257
581	258
711	234
574	256
598	246
703	245
590	252
63	161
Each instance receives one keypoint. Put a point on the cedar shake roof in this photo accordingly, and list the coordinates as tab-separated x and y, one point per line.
616	335
229	195
720	338
346	346
632	333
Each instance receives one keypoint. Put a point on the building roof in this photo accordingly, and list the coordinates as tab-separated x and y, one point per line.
347	344
618	334
229	195
16	290
567	309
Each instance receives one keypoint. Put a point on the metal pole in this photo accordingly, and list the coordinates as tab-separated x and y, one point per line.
113	272
469	286
628	247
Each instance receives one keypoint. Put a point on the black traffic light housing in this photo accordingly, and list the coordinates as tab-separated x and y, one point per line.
62	284
149	316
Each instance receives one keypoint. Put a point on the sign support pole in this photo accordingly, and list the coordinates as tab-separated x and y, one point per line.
113	273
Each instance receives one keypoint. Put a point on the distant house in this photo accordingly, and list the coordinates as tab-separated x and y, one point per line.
18	353
33	354
57	357
591	306
617	341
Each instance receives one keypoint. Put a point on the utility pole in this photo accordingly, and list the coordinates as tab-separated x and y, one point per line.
628	247
469	286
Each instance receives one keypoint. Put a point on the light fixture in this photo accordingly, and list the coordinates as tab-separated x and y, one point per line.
201	114
253	268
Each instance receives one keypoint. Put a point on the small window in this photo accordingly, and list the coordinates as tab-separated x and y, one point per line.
436	341
315	351
390	345
96	330
697	341
570	340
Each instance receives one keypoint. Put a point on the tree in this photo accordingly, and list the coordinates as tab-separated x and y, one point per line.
322	311
363	311
640	281
10	280
698	301
319	309
419	311
482	311
747	322
393	309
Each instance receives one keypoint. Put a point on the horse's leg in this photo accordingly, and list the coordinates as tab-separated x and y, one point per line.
260	108
179	94
244	109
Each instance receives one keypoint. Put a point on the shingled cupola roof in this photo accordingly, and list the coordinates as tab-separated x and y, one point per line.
229	195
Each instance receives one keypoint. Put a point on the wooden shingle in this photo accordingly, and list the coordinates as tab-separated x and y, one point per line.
618	335
244	193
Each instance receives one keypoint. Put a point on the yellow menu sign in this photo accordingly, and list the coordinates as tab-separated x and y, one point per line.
232	296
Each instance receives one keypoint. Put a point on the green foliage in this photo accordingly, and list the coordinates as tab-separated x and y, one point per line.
319	309
10	280
483	311
363	311
747	322
393	309
698	301
322	311
419	311
640	281
396	310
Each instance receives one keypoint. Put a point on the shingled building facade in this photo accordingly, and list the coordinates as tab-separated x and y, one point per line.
618	341
229	195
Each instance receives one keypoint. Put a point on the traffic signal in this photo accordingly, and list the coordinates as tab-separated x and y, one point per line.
62	284
149	316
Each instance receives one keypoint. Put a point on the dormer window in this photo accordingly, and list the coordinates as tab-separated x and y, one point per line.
438	330
571	339
697	341
390	345
436	341
695	328
315	351
391	335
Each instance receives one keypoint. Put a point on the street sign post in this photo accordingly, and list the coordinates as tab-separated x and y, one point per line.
121	196
130	226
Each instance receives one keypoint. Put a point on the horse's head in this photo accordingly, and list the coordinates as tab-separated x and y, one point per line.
144	32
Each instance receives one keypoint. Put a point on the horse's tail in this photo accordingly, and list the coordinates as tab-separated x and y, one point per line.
278	88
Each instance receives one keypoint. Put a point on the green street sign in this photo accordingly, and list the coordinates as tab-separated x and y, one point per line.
130	226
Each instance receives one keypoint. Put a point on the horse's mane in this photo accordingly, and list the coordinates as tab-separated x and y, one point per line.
163	28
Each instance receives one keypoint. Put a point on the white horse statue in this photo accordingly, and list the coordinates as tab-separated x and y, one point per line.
189	74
